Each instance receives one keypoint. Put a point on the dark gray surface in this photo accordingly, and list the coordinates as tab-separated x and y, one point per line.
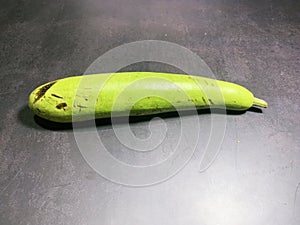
254	180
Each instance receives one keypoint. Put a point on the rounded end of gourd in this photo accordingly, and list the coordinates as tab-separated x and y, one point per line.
260	102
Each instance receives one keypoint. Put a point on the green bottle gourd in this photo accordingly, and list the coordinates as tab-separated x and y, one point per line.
80	98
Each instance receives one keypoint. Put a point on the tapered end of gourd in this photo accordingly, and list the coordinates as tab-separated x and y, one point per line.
260	103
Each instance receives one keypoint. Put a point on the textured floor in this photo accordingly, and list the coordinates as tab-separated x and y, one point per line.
255	178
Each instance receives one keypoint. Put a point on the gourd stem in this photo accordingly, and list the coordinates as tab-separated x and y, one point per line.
260	103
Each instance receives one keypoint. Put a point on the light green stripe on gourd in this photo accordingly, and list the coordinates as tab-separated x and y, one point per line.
117	93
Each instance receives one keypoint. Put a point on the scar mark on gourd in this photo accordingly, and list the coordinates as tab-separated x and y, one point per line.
42	91
61	106
81	106
204	100
211	102
56	96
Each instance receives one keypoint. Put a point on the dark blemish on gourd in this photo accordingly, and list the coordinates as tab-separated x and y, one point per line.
211	102
56	96
61	106
204	100
42	91
206	82
81	107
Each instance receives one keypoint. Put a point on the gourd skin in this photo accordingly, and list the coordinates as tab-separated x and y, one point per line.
80	98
